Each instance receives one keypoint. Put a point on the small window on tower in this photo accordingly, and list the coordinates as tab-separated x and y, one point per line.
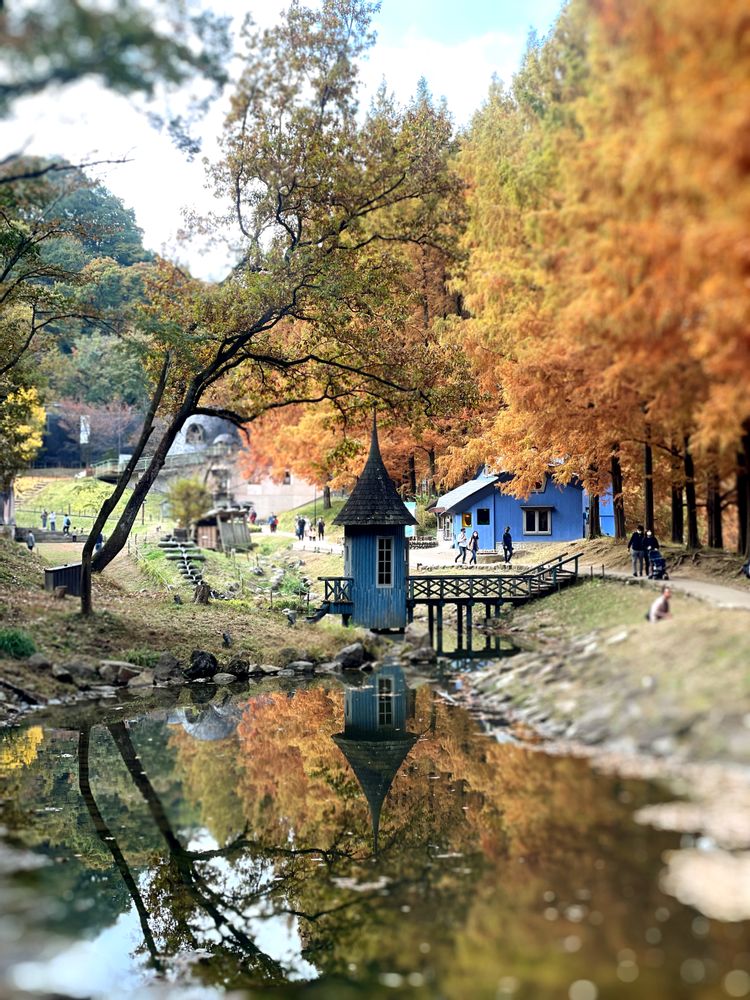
384	575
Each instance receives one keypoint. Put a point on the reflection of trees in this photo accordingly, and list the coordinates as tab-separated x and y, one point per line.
473	835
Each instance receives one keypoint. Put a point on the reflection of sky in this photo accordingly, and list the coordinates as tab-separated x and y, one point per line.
110	967
275	934
105	966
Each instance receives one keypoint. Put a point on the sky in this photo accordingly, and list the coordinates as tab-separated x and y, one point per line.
457	47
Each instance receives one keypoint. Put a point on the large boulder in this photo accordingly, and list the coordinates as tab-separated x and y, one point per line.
167	668
351	657
240	667
117	671
223	678
417	635
39	661
144	679
202	665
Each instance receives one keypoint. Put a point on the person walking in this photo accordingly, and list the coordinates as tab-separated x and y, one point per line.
52	521
66	525
44	519
636	550
473	548
321	529
461	543
30	540
507	545
273	523
99	542
650	544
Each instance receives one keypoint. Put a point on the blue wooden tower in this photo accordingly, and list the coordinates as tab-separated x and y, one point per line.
375	741
376	552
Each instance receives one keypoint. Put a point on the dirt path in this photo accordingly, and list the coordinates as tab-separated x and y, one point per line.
722	595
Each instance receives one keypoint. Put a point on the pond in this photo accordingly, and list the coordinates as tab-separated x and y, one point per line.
336	839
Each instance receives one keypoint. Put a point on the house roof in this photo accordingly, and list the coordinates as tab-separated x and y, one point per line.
374	500
453	501
375	763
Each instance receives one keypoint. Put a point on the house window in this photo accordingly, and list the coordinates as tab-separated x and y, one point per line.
537	522
287	478
385	701
466	519
483	515
540	486
385	562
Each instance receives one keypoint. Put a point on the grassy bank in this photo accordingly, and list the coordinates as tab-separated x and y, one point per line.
136	619
83	498
599	673
313	511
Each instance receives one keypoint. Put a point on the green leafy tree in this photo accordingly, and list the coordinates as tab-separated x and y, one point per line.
323	200
188	499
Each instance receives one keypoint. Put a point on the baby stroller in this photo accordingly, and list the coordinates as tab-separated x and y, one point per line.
657	566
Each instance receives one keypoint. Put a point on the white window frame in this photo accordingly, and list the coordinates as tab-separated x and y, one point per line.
536	512
389	540
543	481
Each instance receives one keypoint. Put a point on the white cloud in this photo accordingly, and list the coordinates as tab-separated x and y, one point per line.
83	122
461	73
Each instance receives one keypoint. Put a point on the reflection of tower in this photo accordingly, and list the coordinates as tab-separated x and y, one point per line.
375	741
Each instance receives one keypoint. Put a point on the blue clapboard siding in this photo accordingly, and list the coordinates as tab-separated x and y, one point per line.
565	505
375	607
361	704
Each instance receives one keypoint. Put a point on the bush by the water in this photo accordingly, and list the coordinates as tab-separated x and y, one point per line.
15	643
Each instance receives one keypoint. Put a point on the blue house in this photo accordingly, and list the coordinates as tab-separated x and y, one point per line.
551	513
376	553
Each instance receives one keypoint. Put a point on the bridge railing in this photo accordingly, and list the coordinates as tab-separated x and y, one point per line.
337	589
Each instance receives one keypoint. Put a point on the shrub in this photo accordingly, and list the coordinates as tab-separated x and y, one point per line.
15	643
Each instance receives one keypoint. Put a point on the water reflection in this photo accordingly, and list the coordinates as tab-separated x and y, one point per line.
370	835
375	741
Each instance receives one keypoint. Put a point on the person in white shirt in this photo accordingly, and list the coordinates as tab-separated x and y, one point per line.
660	607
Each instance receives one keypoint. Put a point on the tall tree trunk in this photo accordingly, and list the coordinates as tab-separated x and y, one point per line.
412	476
618	502
743	501
433	471
678	517
105	835
594	528
713	510
691	503
648	482
119	536
112	500
326	497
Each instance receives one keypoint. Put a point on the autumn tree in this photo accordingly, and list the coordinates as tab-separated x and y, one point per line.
320	197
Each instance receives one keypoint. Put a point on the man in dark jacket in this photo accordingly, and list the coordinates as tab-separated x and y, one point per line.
637	548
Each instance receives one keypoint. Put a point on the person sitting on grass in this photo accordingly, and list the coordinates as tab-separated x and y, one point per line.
660	607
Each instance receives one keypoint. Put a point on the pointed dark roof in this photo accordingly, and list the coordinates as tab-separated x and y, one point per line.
375	763
374	500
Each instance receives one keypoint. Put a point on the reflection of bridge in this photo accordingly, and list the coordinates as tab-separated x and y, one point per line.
463	591
174	465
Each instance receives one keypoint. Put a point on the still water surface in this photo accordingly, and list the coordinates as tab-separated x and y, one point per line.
337	841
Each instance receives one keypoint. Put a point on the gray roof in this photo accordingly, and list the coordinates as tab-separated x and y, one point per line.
375	763
374	500
450	502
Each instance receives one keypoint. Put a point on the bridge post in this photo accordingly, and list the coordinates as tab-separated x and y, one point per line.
439	647
431	623
469	624
460	626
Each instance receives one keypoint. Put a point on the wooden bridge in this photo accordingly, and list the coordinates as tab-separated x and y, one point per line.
466	592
